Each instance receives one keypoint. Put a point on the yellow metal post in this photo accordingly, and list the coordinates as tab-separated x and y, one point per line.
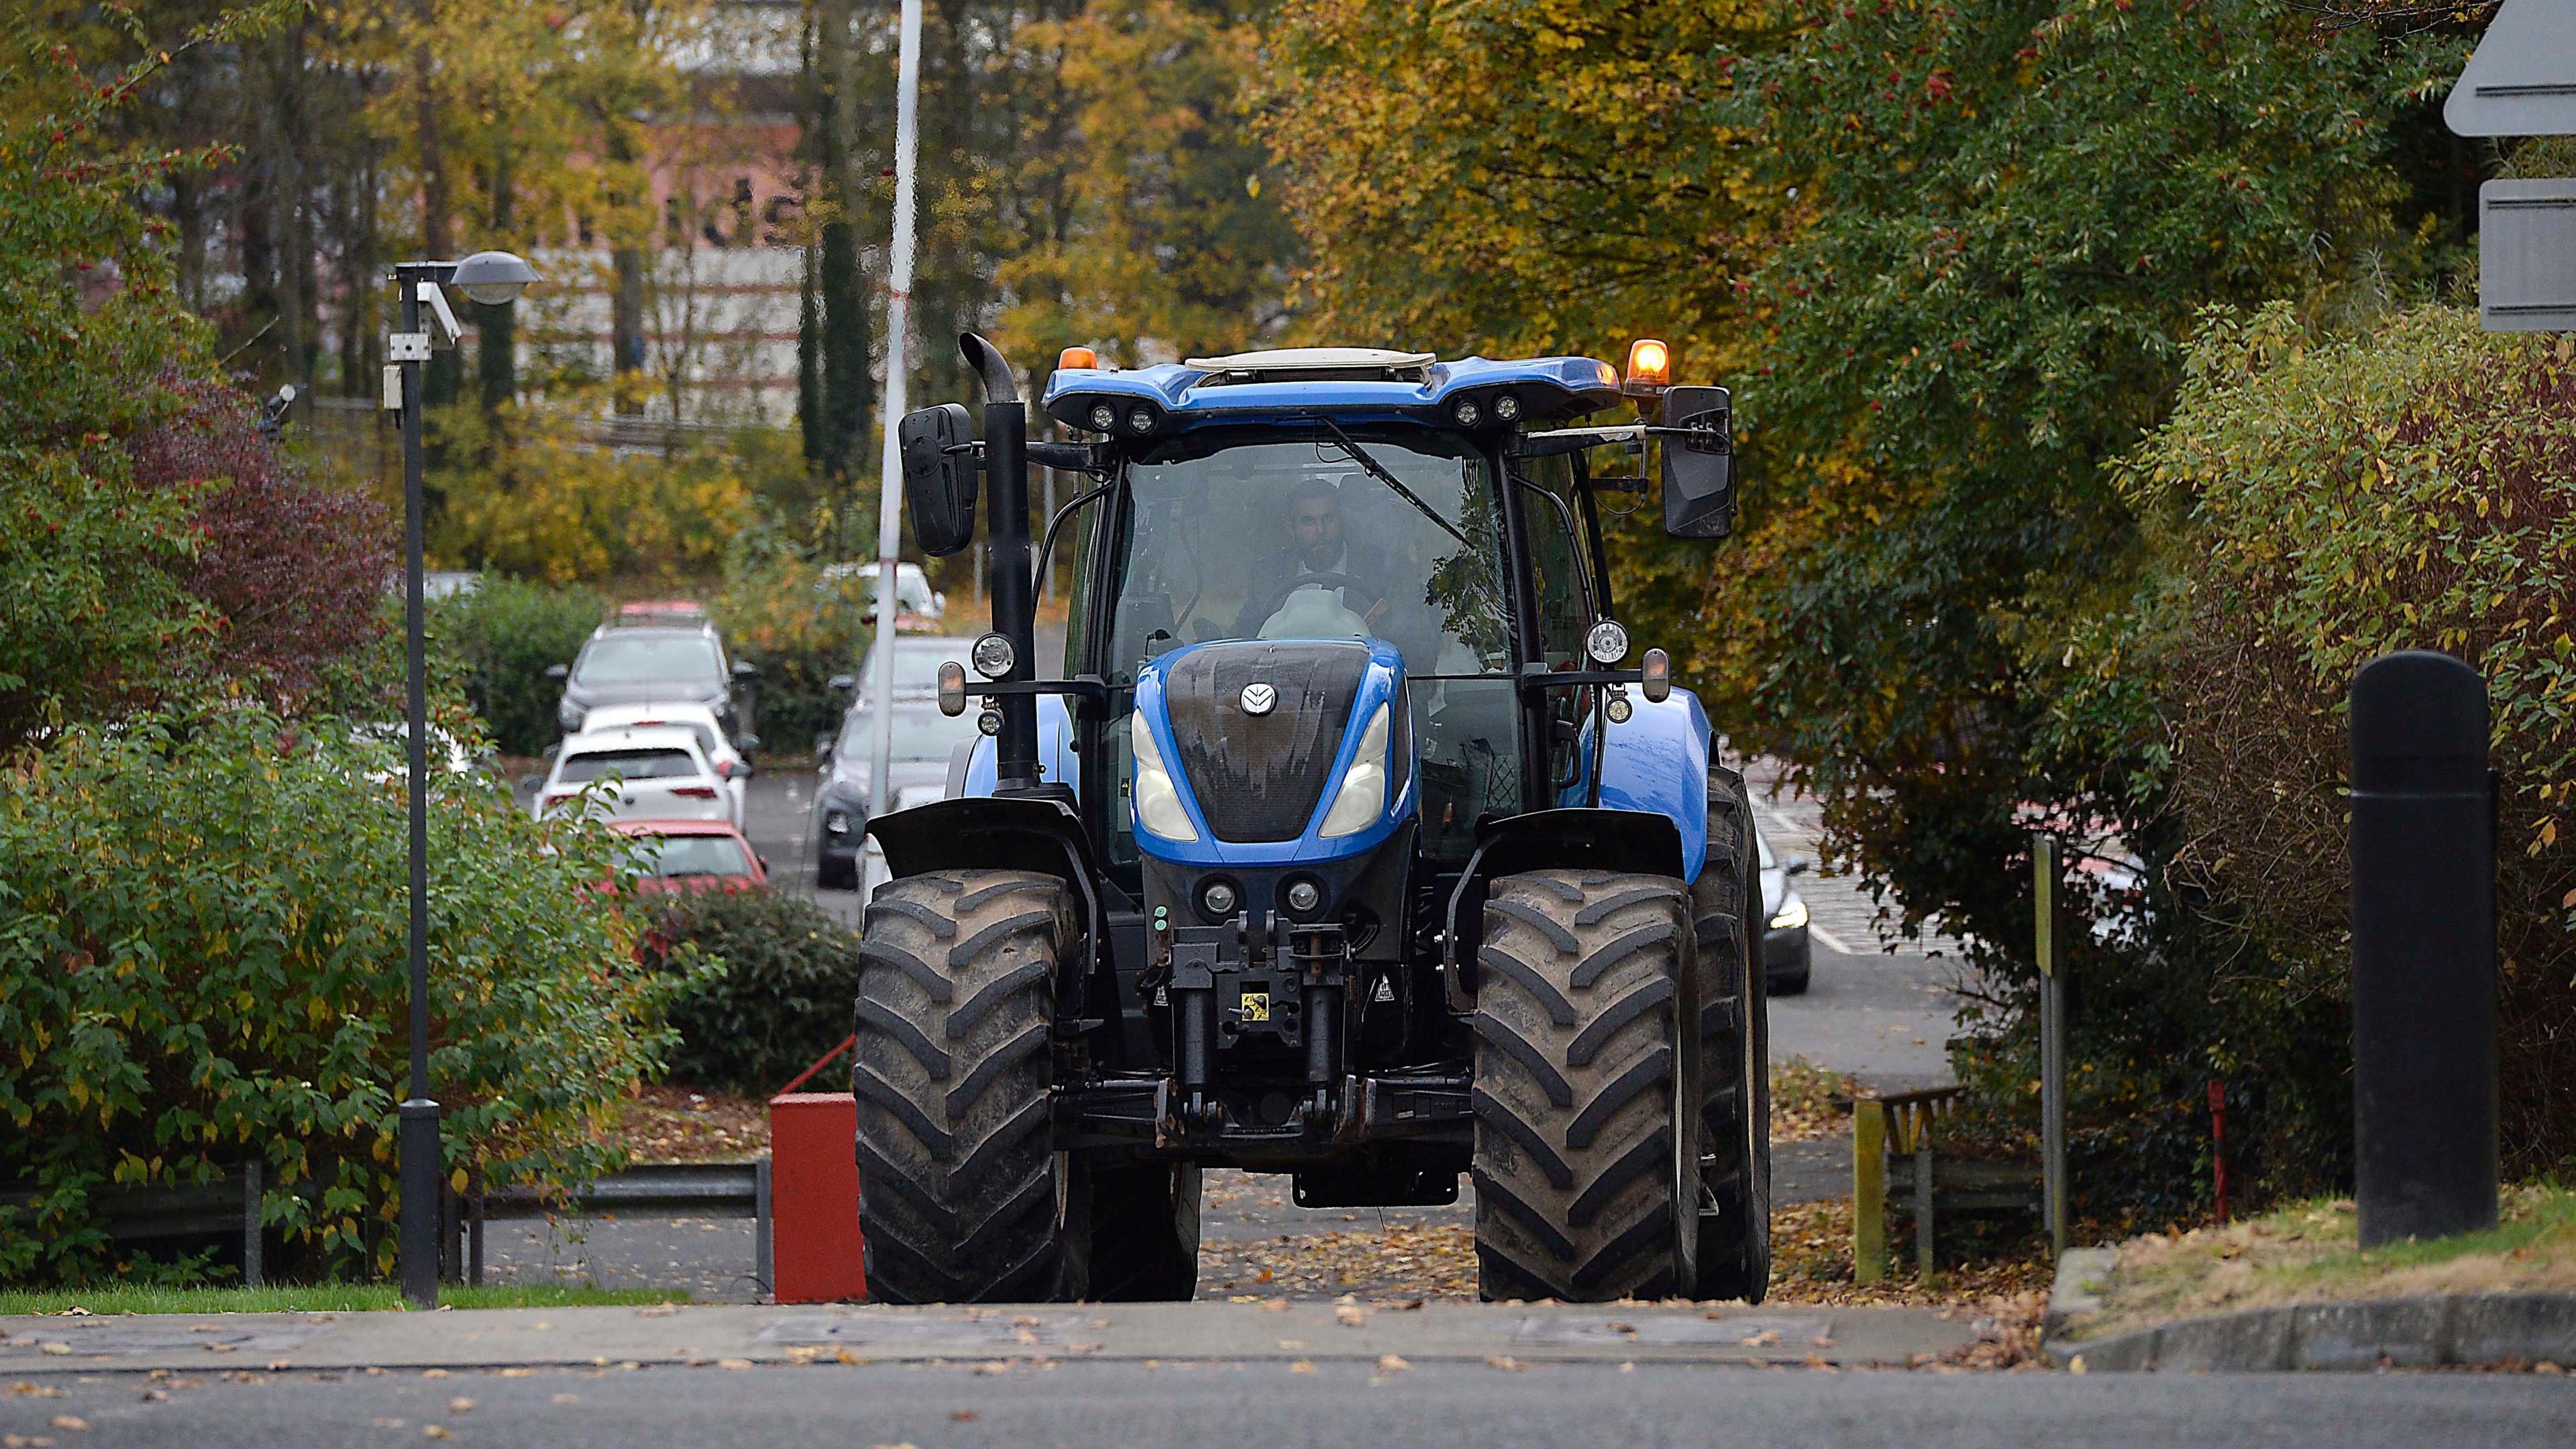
1869	1190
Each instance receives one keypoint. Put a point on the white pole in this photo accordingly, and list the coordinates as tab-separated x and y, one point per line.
907	142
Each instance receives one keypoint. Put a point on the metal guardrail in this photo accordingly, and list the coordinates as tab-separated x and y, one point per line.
689	1189
700	1189
230	1205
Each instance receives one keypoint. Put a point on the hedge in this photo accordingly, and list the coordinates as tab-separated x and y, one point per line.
790	974
202	959
507	633
2321	500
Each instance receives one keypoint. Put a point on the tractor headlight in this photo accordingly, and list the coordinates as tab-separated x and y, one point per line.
1791	915
1361	796
1159	810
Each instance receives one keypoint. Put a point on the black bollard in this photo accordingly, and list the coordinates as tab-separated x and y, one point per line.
2423	949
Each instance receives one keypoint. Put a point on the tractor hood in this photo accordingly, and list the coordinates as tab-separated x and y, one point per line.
1271	752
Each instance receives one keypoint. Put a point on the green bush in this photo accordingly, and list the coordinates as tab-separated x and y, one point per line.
506	633
775	613
202	959
2317	501
790	974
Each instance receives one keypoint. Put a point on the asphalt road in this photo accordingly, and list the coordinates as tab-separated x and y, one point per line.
1188	1406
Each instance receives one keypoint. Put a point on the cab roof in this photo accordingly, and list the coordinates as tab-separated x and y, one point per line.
1342	384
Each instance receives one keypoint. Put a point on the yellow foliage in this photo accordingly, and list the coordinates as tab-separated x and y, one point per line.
544	499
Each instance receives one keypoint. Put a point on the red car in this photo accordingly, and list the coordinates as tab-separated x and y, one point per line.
698	855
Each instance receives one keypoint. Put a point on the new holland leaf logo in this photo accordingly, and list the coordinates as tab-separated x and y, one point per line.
1259	698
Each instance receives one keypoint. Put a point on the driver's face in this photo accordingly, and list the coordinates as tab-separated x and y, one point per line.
1319	531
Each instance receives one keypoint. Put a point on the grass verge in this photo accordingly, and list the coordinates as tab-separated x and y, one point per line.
2310	1252
315	1298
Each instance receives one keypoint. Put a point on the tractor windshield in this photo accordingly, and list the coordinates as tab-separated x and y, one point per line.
1282	540
1270	539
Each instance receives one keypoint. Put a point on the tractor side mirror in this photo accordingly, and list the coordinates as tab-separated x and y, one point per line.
1699	462
939	476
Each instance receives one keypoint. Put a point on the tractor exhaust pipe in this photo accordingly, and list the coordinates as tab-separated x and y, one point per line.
1006	474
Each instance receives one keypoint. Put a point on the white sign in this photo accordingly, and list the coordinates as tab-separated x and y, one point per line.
2522	81
2527	255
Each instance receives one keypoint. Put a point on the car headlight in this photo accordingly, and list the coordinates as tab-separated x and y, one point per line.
1159	810
570	716
1791	915
836	822
1361	796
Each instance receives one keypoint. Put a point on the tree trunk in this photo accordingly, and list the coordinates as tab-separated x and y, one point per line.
846	385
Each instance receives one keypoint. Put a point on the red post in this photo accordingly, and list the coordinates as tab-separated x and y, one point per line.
2217	1142
814	1198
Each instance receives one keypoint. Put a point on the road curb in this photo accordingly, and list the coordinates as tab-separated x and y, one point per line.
743	1335
2420	1332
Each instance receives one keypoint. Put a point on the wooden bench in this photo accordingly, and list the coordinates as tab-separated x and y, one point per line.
1894	1167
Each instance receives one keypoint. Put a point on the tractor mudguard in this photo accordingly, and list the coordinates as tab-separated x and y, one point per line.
1034	833
1656	763
971	771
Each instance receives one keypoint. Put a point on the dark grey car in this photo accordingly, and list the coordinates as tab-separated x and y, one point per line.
1788	950
925	741
630	665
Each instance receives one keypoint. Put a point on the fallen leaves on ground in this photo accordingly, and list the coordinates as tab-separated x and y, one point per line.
1808	1102
684	1124
1390	1262
1811	1262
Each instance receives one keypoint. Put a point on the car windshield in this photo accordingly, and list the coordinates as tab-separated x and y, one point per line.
916	667
919	734
1303	540
642	658
629	764
673	856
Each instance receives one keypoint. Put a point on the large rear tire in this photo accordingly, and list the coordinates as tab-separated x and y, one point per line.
961	1195
1735	1045
1576	1165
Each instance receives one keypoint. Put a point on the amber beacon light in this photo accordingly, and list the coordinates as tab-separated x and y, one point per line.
1073	357
1650	366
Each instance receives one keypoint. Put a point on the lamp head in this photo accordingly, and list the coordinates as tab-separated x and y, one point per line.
493	278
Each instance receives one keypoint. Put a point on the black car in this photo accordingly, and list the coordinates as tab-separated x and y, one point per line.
1788	953
925	745
673	664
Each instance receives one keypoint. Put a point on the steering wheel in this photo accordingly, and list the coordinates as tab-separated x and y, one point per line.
1279	596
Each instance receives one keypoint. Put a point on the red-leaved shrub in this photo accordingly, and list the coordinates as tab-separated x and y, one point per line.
296	570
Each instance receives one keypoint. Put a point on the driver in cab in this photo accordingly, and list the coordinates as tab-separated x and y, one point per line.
1321	569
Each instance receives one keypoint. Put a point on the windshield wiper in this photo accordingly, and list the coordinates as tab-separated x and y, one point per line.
1378	471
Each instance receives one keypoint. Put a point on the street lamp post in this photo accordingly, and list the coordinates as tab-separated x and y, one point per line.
492	278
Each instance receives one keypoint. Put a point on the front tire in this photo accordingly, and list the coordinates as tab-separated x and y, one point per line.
1133	1235
1576	1163
961	1195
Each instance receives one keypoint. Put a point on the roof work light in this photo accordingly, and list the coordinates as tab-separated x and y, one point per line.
1650	368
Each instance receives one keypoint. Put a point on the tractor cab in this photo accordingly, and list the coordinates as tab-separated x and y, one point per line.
1346	841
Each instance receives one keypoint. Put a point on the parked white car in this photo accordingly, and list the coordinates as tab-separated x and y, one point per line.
916	604
657	772
698	719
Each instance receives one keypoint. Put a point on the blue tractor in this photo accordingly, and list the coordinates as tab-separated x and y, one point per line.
1346	842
